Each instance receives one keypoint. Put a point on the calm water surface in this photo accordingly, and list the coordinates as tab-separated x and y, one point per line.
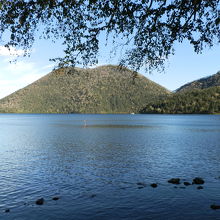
94	166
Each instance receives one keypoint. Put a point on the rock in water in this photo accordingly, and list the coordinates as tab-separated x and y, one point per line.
93	196
174	181
141	184
154	185
40	201
186	183
215	206
198	180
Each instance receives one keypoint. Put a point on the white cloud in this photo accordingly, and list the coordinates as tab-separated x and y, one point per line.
49	66
98	64
20	68
11	51
14	76
7	87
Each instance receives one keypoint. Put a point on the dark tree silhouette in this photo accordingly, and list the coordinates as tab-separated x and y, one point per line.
149	27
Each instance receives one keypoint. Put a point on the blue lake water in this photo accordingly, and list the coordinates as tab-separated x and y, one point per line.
94	162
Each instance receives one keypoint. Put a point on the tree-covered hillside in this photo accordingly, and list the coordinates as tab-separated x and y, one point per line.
197	101
203	83
106	89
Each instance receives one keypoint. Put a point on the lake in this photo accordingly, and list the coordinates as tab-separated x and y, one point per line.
101	166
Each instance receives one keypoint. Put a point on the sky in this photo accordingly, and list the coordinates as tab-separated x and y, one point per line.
183	67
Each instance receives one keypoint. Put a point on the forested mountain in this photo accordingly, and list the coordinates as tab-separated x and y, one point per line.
111	89
202	83
106	89
196	101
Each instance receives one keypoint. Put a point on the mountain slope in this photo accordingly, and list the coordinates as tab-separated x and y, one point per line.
106	89
197	101
202	83
198	97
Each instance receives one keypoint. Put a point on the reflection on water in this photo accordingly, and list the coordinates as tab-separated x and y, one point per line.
94	162
104	126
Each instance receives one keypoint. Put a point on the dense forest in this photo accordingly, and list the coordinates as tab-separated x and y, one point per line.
196	101
112	89
203	83
105	89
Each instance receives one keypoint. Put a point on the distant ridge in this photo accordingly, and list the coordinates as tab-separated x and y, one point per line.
105	89
198	97
203	83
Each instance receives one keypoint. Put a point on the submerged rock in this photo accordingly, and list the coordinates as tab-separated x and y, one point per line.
215	206
200	187
198	180
40	201
174	181
7	210
141	184
93	196
154	185
187	183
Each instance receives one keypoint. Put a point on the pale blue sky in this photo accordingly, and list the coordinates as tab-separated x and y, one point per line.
185	66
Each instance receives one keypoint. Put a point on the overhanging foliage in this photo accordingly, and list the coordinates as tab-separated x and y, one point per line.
150	27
